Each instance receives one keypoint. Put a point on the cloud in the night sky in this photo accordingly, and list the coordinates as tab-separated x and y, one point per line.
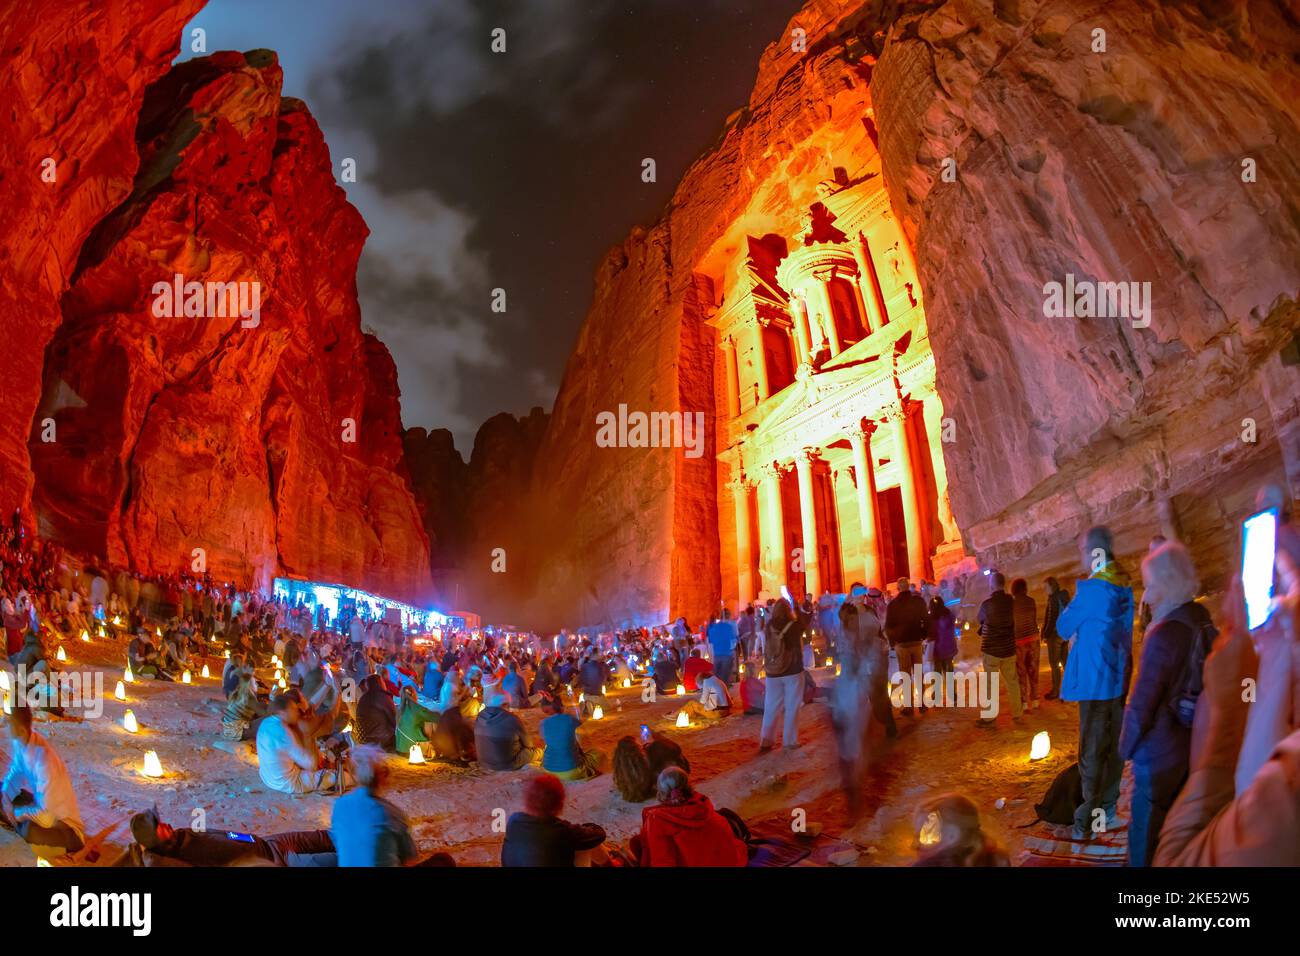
479	170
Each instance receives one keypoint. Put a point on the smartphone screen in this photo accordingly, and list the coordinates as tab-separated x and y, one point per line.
1259	539
645	732
241	837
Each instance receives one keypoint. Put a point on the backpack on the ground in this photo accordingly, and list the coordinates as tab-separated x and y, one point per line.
1062	797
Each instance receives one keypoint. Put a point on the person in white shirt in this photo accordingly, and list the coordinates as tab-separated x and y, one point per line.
714	702
286	761
38	799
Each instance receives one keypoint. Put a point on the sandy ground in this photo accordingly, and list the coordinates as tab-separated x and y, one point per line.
455	810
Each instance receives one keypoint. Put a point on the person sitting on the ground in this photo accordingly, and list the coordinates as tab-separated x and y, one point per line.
665	675
416	724
714	702
236	665
500	739
433	678
564	755
696	667
367	829
144	658
244	711
949	834
752	692
684	829
515	688
32	655
538	837
545	681
453	738
287	761
376	721
637	767
223	847
39	802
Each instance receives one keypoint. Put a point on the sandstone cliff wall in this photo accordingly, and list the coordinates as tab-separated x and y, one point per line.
1122	165
272	446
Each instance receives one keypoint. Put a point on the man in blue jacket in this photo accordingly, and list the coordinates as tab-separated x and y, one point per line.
1098	623
722	634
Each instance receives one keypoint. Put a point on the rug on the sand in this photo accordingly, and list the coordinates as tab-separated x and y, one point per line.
778	847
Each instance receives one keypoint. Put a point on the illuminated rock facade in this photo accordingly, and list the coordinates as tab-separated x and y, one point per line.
248	446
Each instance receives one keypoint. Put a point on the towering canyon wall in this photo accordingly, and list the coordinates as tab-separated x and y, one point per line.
1119	164
272	443
74	79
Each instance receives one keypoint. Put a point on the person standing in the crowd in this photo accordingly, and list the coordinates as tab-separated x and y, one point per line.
1157	728
1238	807
1058	650
907	626
998	643
943	639
722	635
783	690
1024	614
745	628
1099	626
39	803
366	829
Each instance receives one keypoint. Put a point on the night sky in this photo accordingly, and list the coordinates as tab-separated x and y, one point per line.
479	170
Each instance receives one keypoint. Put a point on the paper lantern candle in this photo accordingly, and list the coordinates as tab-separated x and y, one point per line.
129	723
1041	747
683	720
152	765
120	693
416	755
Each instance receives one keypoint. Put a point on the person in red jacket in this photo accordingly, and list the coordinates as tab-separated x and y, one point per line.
694	669
684	829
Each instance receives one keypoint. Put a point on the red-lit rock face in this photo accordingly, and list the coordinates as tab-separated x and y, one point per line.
74	76
1122	165
270	441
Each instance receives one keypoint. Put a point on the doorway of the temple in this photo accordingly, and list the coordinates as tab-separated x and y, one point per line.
893	534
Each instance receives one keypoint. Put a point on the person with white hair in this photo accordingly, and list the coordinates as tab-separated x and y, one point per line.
368	830
1156	733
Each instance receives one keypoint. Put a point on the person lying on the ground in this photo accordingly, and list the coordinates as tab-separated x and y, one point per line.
637	764
376	721
683	828
153	838
244	710
38	799
287	761
367	829
714	702
500	739
537	836
416	724
949	834
564	756
1215	821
